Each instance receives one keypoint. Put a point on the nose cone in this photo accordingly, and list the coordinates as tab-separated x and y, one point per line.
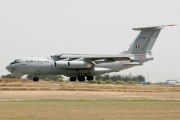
9	68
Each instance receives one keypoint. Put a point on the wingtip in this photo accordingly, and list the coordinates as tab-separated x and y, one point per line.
172	24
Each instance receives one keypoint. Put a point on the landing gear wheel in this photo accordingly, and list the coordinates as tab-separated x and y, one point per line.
35	79
81	78
89	78
72	79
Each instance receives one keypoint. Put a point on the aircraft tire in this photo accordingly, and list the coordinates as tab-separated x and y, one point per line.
35	79
89	78
81	78
72	79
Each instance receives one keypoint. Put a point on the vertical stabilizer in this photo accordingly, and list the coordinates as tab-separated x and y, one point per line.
145	40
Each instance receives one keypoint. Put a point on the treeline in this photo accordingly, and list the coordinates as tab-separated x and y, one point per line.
47	77
125	78
30	77
107	77
12	76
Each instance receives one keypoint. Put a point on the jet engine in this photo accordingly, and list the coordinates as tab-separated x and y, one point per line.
73	64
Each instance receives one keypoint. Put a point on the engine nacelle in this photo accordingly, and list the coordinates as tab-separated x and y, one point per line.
73	64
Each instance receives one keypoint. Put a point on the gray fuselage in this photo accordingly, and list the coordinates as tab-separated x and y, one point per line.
46	66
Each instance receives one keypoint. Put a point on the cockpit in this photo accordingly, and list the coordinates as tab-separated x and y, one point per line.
15	61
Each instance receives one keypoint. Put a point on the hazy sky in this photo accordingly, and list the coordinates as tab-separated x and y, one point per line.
47	27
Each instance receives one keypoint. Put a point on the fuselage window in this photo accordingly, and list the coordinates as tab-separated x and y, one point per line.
46	61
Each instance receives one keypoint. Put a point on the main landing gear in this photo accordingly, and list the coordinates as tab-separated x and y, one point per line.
35	79
72	79
81	78
90	78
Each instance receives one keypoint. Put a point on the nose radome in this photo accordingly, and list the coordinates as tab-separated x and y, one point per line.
8	68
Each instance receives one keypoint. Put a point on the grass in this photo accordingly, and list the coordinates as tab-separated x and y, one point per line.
90	110
86	109
15	84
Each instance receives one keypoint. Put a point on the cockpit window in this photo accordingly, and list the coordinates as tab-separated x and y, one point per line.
14	62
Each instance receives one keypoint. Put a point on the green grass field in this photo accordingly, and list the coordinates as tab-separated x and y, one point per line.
90	110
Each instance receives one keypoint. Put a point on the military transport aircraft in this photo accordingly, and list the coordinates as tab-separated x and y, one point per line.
81	66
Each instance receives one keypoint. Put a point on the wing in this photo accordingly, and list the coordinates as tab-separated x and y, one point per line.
91	57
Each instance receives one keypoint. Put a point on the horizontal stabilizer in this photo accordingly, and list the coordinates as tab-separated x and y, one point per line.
153	27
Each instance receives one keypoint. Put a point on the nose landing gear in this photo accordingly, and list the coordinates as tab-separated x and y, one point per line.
35	79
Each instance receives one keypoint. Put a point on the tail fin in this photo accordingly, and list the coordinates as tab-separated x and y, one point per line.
145	40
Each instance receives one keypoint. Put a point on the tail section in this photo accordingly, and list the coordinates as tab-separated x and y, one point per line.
144	42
